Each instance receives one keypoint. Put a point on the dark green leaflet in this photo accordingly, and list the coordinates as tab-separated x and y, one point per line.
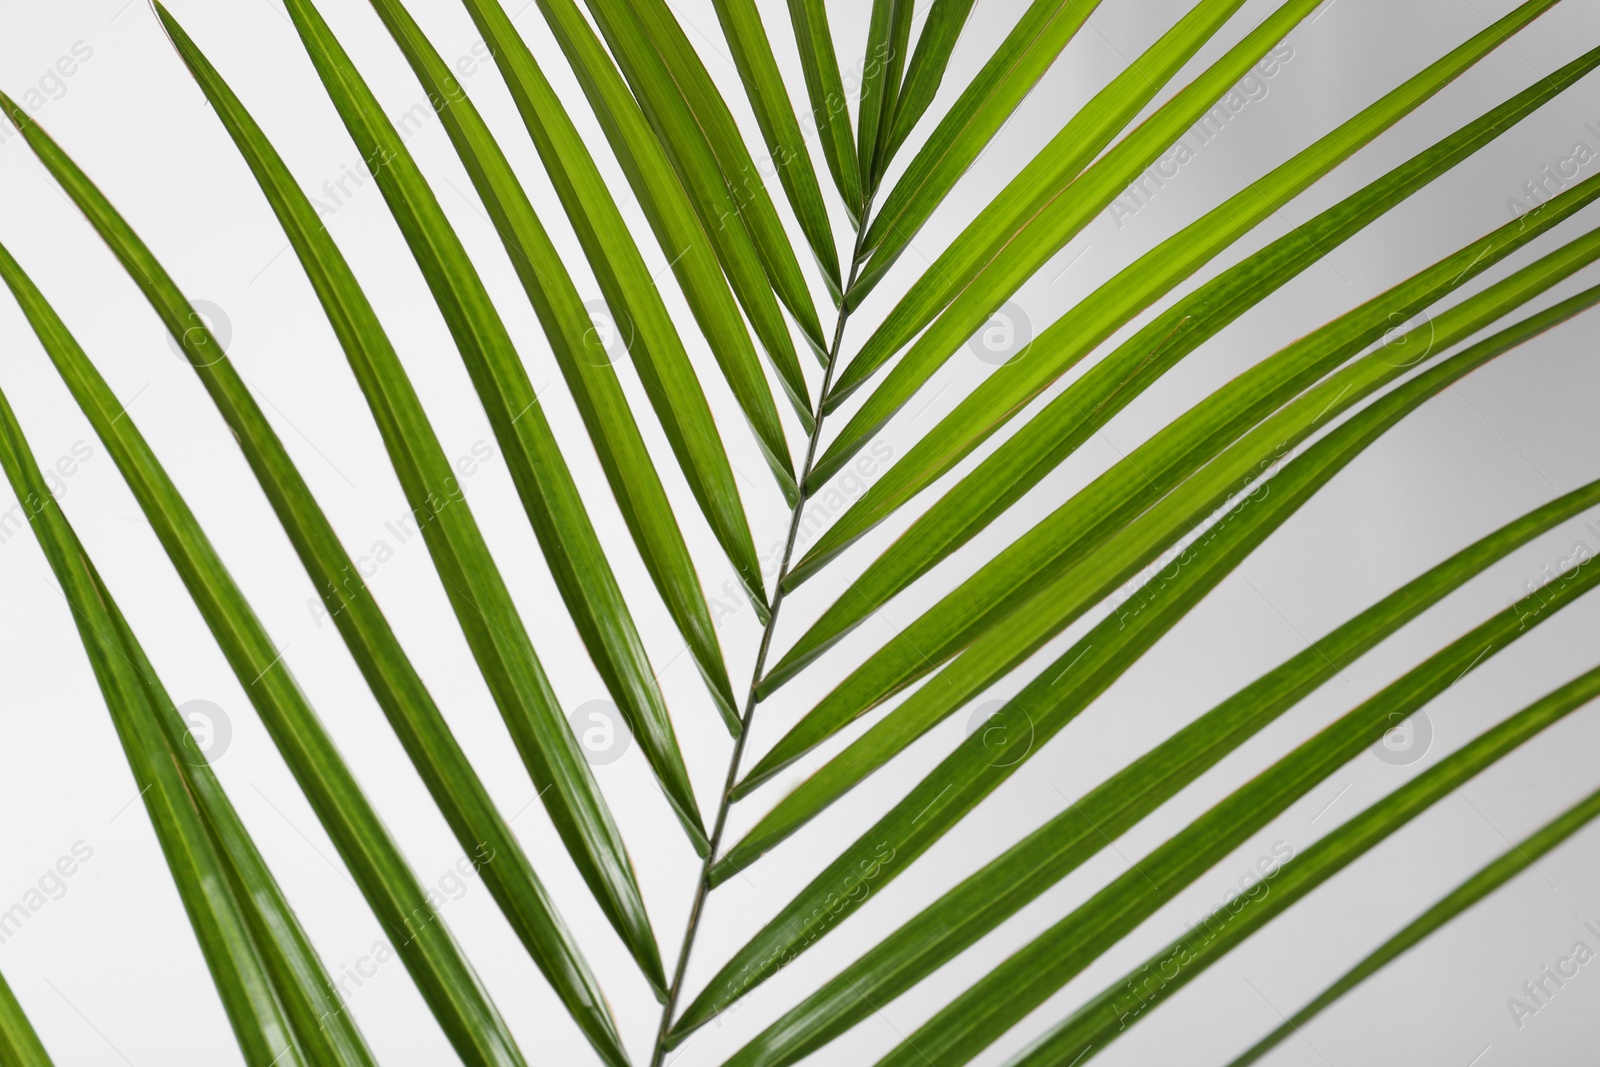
650	159
445	979
888	37
704	145
628	285
663	367
752	53
605	410
946	19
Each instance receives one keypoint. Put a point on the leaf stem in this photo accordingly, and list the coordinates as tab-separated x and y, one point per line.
724	805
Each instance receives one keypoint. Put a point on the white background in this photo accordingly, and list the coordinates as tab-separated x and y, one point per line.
110	973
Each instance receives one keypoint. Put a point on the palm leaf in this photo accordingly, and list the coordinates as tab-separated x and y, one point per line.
1038	38
1013	256
544	482
325	1029
980	764
595	386
998	1000
946	19
888	37
1033	211
758	68
1122	561
459	551
621	271
1068	594
693	122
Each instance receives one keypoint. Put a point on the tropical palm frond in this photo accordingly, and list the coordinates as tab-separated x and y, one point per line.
730	191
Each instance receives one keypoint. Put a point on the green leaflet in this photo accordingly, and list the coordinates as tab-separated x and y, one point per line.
705	147
830	108
445	979
1094	319
978	766
888	37
1088	403
19	1045
467	569
627	283
651	163
946	18
1002	887
1051	605
1095	515
606	413
1089	1030
544	482
264	1035
966	129
758	69
1507	866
